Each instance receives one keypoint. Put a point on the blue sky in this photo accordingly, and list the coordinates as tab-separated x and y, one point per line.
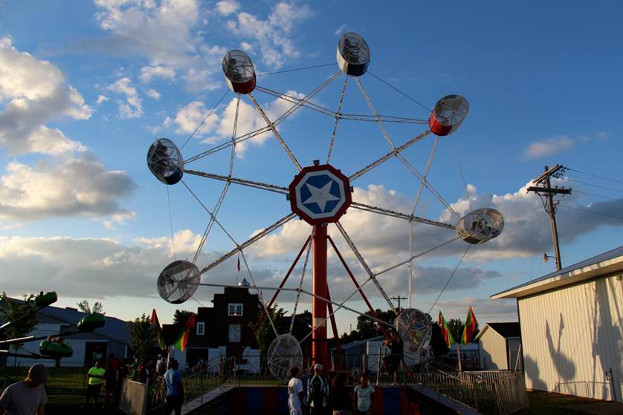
86	87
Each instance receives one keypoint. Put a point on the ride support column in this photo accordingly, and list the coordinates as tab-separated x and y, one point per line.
319	288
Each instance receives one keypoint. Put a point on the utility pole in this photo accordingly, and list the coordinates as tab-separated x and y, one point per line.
544	188
399	299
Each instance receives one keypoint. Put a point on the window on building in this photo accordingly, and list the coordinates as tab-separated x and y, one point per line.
234	333
201	328
235	309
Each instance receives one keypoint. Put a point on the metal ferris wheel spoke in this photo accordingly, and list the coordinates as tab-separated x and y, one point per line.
364	265
389	155
400	215
427	184
249	242
343	116
271	125
379	122
298	294
243	182
228	144
298	102
210	213
430	161
337	117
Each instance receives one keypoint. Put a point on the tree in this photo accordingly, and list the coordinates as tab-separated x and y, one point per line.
142	336
456	326
12	310
181	317
265	334
368	327
97	308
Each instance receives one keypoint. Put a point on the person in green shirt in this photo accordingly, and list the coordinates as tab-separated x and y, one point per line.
96	379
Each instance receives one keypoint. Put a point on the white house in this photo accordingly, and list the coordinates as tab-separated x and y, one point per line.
572	328
114	337
500	346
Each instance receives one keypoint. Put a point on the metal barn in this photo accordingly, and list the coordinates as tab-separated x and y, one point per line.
572	328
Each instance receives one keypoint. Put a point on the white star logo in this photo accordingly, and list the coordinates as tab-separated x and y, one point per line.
320	196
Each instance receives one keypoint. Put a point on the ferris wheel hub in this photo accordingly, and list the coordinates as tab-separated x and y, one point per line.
320	194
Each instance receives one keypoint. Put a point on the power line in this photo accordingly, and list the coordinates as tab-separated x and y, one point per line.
594	185
595	175
600	196
591	212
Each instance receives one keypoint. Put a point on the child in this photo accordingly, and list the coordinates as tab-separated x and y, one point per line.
363	396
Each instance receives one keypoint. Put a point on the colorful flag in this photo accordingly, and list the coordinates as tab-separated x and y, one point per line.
470	327
445	330
182	341
155	322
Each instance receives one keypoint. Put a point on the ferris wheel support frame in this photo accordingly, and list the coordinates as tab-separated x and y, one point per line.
320	348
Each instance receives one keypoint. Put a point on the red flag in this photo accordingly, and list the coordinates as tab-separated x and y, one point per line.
182	340
155	322
470	327
190	323
445	330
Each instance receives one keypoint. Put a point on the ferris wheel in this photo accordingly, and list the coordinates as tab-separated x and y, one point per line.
320	194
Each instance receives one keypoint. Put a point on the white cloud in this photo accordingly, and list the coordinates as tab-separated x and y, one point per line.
152	93
227	7
101	99
272	36
550	146
132	106
218	126
341	30
34	92
150	72
73	187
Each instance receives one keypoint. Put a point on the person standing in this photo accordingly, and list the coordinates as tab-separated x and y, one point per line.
175	389
341	396
295	392
96	377
396	347
28	396
363	396
318	392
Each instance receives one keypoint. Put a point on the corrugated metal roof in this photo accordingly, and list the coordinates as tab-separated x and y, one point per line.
597	266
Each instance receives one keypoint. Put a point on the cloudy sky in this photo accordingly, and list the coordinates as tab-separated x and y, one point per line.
86	87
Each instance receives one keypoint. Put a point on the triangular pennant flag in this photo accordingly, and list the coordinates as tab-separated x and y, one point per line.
155	322
470	327
445	330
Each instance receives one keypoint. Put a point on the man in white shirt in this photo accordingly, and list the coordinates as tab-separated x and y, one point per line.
28	396
295	392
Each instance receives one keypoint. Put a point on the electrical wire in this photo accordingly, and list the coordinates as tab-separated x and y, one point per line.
593	185
595	175
592	213
600	196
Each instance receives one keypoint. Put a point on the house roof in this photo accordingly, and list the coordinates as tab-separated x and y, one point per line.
506	330
598	266
114	329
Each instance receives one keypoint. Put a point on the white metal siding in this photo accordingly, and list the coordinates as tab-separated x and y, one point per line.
572	336
492	350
